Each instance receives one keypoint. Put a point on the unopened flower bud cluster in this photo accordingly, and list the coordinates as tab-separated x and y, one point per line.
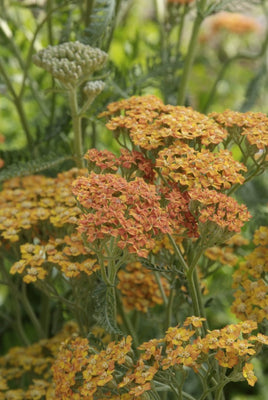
70	61
93	88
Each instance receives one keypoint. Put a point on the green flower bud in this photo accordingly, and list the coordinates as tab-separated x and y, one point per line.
71	62
93	88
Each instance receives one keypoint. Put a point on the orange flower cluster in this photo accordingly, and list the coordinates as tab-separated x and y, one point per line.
131	163
199	169
219	209
250	281
139	288
81	371
152	125
233	22
252	125
127	211
177	208
29	204
69	255
30	368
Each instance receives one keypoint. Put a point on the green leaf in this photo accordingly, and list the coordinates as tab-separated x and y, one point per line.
105	314
32	167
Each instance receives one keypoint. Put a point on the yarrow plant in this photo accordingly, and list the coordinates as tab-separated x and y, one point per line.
122	255
141	226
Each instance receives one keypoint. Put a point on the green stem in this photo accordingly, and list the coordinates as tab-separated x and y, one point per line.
19	107
127	322
190	54
181	27
45	314
192	280
88	11
28	308
77	128
159	283
179	255
16	305
240	56
169	308
193	291
49	22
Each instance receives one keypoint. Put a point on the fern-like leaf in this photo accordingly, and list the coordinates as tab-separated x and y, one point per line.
253	90
157	268
231	5
32	167
106	308
101	19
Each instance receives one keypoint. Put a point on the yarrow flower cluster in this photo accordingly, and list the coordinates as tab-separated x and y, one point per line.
250	281
81	370
220	209
32	364
130	163
199	169
251	125
139	287
153	125
30	203
127	211
68	254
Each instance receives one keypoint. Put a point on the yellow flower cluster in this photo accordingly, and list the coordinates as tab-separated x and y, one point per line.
68	254
250	281
151	124
139	287
34	205
199	169
252	125
82	371
32	365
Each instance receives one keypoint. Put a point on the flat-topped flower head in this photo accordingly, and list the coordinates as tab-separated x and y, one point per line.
127	211
152	125
71	62
252	125
223	211
199	169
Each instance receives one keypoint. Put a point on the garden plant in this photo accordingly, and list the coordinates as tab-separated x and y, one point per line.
133	219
